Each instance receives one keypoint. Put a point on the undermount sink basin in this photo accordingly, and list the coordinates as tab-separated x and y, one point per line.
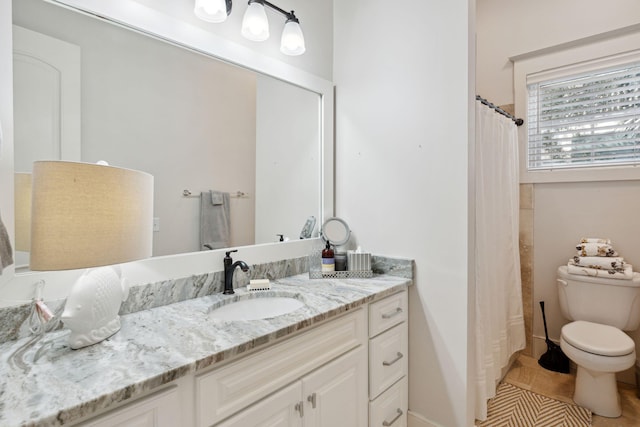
256	308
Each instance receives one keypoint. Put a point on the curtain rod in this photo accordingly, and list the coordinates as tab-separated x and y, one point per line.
518	122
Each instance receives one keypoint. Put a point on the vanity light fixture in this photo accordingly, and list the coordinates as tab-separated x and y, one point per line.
255	25
292	41
212	10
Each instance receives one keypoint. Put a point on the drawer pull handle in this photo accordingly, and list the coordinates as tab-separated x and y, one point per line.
398	357
392	314
398	415
300	408
312	398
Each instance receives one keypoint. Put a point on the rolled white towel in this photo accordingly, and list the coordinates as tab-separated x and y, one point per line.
598	262
625	273
595	240
595	249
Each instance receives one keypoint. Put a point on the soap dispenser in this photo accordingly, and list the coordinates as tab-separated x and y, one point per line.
328	259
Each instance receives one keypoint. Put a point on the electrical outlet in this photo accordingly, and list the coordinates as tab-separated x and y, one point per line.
156	224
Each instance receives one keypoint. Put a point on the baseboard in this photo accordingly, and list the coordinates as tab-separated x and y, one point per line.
416	420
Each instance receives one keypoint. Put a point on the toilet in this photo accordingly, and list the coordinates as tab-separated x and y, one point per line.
600	310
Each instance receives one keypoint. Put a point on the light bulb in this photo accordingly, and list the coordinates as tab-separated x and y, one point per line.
211	10
255	25
292	42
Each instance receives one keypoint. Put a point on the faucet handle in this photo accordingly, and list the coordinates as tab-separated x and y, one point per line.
229	253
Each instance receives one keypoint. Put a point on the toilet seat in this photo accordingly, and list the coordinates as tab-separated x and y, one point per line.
598	339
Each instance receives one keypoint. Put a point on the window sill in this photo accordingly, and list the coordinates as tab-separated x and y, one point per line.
615	173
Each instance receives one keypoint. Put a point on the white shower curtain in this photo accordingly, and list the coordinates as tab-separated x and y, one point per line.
499	320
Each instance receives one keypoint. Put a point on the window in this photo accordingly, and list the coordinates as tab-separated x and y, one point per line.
583	120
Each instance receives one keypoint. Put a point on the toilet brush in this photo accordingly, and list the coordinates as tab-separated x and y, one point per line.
554	359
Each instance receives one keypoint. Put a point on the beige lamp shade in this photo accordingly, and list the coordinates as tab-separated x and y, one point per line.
89	215
22	182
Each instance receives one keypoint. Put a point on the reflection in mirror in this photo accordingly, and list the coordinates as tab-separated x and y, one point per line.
191	121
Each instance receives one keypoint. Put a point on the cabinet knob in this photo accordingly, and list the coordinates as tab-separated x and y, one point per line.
312	398
386	423
300	408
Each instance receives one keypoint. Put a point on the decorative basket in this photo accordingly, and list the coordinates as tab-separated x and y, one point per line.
314	274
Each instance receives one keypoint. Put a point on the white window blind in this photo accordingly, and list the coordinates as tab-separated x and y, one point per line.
586	120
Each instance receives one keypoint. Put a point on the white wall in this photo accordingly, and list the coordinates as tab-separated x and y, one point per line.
402	141
507	28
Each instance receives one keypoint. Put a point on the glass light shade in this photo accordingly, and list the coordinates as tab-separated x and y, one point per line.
88	215
255	25
211	10
292	42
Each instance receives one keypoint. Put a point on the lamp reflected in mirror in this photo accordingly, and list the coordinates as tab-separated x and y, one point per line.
22	182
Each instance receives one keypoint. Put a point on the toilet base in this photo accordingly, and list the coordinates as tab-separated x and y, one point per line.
598	392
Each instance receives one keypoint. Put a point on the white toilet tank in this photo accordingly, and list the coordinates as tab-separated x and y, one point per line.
613	302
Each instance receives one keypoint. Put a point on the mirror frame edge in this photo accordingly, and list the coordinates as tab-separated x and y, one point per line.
182	34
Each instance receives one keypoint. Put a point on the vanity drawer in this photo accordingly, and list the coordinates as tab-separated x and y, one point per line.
390	409
387	359
387	313
228	389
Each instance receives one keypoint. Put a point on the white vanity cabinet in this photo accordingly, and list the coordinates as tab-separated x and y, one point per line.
388	351
161	409
332	396
350	371
319	376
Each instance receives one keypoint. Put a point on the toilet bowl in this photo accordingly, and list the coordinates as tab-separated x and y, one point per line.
599	351
600	310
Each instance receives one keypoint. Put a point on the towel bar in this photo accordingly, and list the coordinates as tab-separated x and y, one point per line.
237	194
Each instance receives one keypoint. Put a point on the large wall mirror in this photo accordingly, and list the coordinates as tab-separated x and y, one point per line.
110	90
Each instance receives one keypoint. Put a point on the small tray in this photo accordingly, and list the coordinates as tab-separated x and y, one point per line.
364	274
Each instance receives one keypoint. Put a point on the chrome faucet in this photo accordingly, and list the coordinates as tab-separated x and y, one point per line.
229	268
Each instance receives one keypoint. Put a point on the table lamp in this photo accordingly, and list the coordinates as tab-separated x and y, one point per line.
84	216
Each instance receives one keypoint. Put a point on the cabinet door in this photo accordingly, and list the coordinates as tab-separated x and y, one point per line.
336	394
281	409
159	410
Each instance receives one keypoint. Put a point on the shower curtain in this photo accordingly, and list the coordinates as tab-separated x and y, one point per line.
499	319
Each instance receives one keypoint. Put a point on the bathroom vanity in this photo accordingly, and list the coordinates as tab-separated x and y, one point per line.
339	360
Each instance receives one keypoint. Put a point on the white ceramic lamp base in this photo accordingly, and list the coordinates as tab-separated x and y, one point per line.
91	311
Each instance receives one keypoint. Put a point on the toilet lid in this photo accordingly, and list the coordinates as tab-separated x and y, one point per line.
598	339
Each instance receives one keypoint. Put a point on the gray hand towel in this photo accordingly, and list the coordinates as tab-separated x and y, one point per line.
6	252
217	198
215	220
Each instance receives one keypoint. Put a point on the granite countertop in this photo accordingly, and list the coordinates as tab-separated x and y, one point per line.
159	345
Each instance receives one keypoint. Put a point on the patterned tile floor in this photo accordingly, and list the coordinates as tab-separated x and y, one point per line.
527	374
